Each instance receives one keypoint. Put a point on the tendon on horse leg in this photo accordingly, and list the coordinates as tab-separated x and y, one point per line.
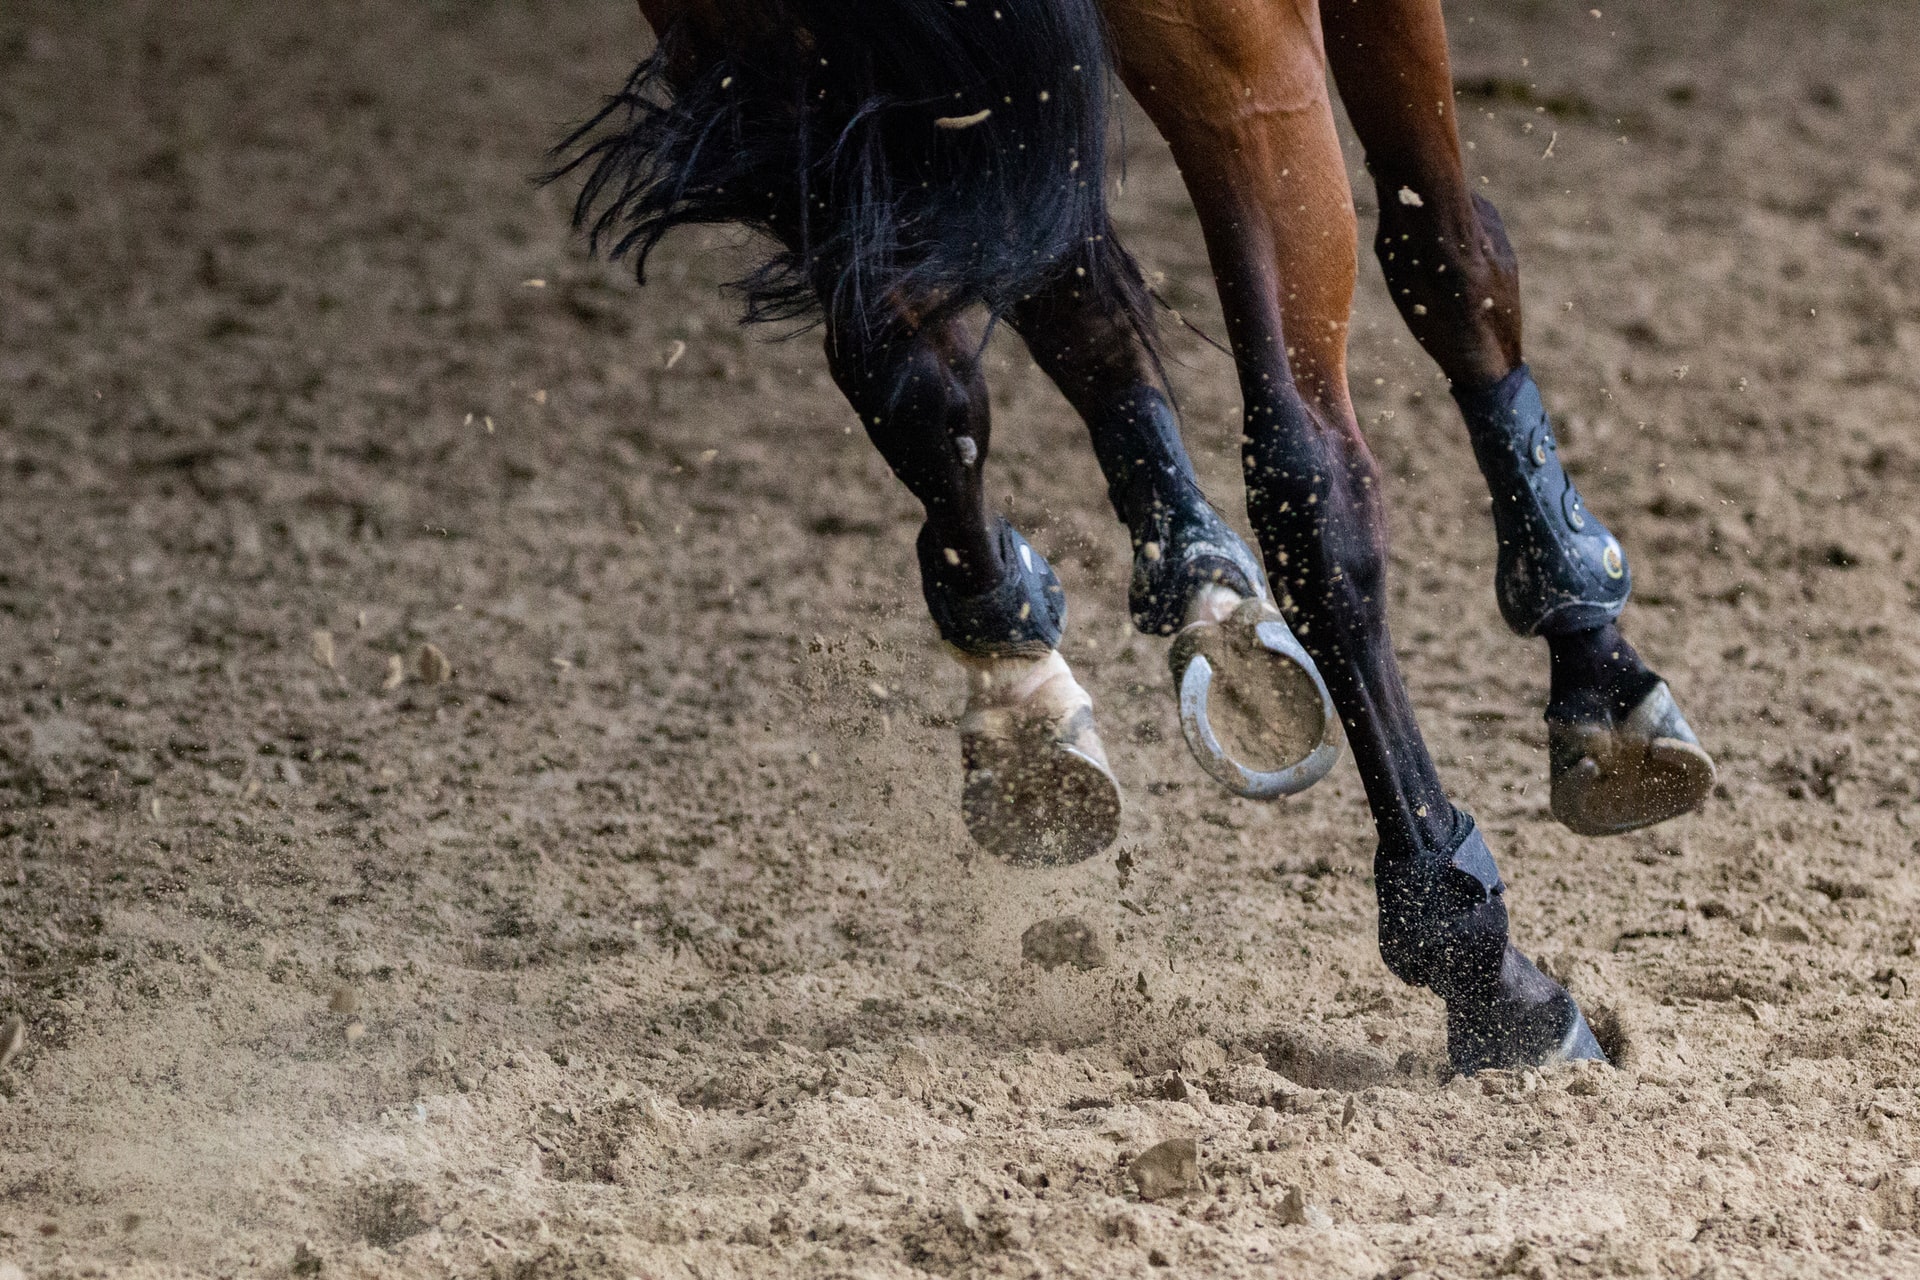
1621	755
1240	94
1253	709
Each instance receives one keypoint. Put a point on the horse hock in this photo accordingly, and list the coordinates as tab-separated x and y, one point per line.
1038	790
1443	926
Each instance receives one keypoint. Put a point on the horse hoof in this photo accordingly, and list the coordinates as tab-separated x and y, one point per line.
1253	708
1530	1021
1038	789
1619	776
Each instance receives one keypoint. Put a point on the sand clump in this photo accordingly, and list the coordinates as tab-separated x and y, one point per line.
1063	940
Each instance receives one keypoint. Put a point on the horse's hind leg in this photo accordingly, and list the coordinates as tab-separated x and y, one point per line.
1621	754
1239	91
1253	709
1038	788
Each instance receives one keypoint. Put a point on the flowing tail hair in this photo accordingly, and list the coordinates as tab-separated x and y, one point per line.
918	155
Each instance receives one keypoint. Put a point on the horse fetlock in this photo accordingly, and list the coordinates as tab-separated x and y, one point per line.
1560	569
1024	613
1180	552
1038	789
1443	919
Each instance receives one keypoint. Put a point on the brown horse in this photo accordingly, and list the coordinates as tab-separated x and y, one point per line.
919	161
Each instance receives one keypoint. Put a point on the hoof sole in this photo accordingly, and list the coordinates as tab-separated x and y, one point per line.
1253	708
1647	768
1050	805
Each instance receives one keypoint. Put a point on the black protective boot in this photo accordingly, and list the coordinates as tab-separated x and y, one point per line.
1443	925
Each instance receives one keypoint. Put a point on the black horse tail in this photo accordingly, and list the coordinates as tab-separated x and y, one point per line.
905	156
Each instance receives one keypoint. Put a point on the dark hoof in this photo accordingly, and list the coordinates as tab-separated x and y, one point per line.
1038	790
1253	708
1530	1021
1620	775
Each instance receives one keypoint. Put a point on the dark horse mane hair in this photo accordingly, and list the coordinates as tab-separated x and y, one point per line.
815	122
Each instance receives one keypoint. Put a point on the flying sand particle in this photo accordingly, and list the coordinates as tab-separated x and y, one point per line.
962	122
431	665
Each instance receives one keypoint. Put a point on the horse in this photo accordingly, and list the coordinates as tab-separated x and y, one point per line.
919	165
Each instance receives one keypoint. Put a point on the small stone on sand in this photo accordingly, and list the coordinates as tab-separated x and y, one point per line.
432	666
356	1030
1168	1169
13	1038
1296	1212
344	1000
914	1072
1896	1201
323	648
396	672
1063	940
1201	1057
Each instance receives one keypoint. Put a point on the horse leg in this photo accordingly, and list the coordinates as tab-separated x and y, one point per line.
1620	753
1239	91
1038	788
762	115
1241	674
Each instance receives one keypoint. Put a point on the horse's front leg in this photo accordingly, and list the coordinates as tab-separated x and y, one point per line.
1621	755
1253	709
1239	91
1038	788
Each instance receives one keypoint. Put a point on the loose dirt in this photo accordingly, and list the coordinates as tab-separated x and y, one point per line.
594	899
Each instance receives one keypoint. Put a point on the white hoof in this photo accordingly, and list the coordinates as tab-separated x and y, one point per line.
1038	790
1253	708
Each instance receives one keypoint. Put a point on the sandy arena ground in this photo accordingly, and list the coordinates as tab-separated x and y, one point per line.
649	942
